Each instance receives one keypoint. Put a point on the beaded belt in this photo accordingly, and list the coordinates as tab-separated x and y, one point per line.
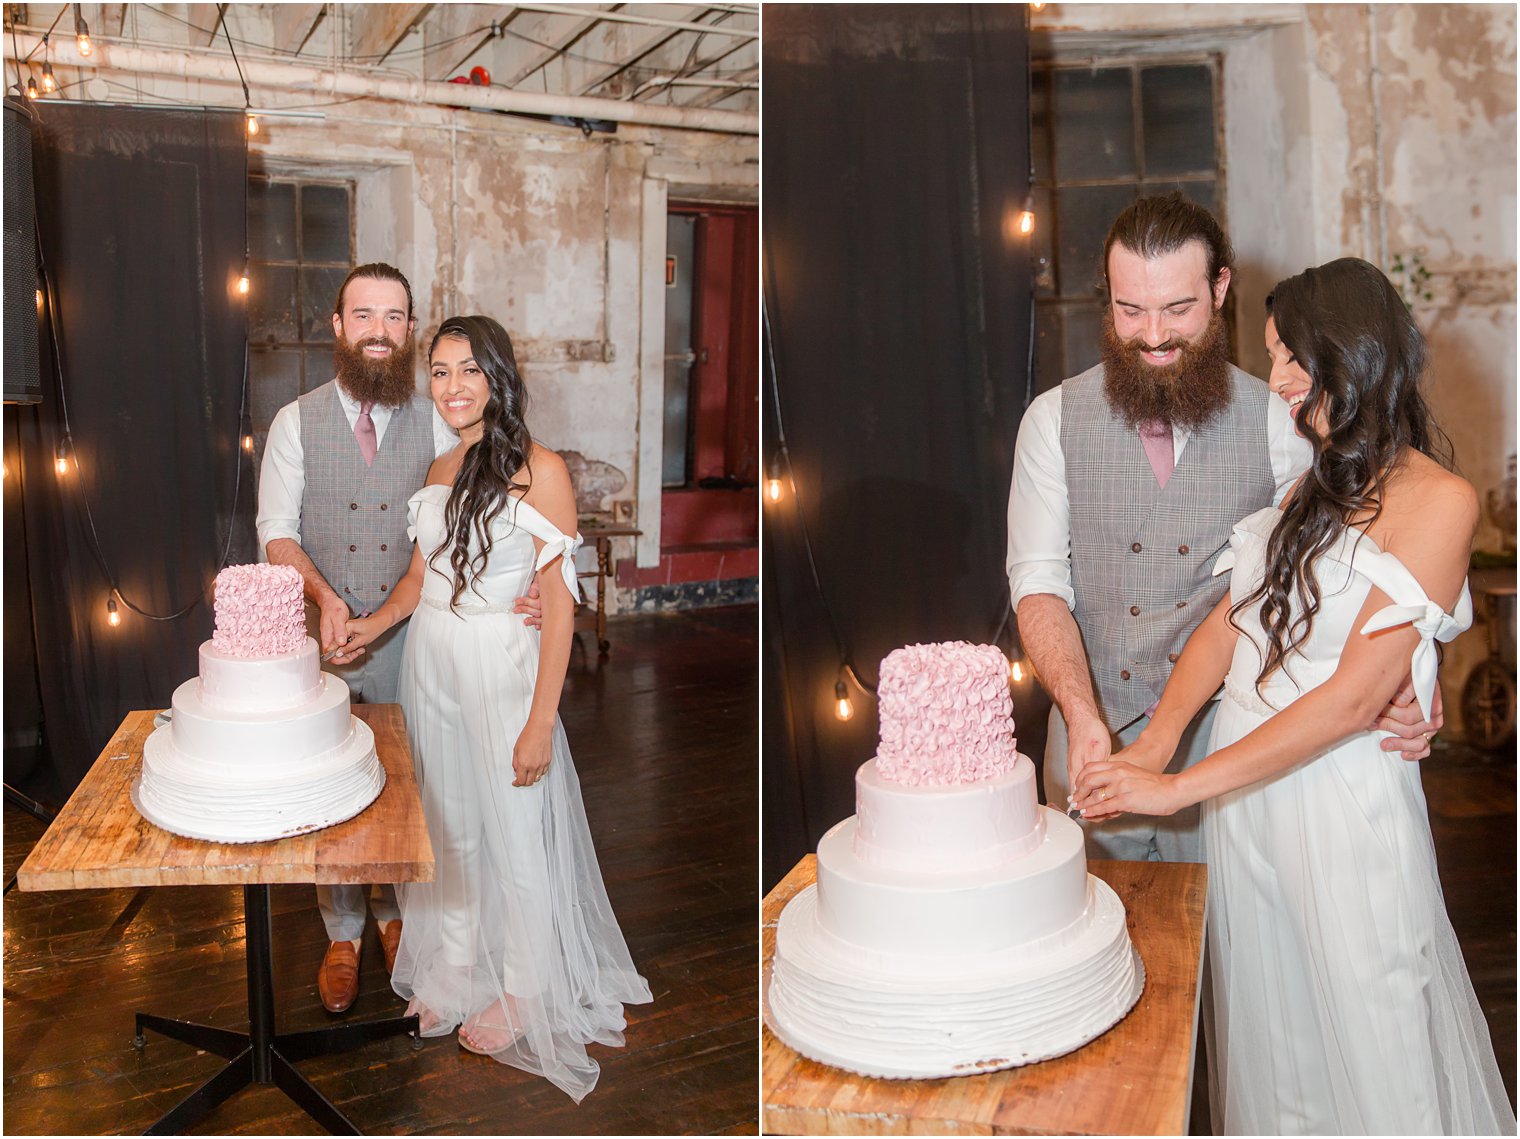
1247	697
467	610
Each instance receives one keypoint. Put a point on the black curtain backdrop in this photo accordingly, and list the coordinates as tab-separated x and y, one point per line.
141	224
897	290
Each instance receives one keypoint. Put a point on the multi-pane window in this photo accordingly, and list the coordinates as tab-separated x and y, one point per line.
300	247
1101	137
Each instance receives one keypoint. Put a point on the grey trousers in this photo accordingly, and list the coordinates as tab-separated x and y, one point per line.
1135	838
372	679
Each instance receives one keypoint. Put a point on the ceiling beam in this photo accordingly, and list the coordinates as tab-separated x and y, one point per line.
688	56
611	48
444	52
532	39
113	18
376	29
206	23
294	23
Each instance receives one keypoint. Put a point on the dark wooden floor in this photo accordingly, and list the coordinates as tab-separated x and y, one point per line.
664	737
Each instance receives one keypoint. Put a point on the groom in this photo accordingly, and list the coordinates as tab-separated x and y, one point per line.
1127	481
339	465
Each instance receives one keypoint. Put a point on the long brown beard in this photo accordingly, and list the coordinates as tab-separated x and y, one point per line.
389	382
1188	392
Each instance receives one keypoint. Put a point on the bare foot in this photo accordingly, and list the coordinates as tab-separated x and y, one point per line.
491	1030
428	1022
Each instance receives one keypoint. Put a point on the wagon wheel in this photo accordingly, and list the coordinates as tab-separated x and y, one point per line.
1488	705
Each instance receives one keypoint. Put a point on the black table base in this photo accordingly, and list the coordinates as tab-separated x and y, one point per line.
262	1055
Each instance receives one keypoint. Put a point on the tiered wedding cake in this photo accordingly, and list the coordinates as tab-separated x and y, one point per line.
954	928
261	745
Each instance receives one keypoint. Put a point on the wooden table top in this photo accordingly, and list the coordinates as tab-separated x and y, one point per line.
1135	1079
99	839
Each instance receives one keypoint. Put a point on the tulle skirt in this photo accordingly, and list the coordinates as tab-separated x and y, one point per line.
1341	1002
515	932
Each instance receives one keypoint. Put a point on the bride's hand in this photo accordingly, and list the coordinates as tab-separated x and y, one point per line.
531	755
359	631
1115	787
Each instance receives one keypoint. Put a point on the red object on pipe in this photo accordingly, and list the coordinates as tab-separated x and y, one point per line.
480	77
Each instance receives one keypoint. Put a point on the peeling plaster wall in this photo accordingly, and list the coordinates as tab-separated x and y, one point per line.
1370	131
546	231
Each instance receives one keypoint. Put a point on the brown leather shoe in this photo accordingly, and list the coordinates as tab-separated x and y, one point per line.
390	940
338	979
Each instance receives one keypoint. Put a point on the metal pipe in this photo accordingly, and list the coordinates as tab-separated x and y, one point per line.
632	18
287	77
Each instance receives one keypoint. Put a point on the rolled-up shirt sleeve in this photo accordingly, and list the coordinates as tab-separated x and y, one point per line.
1039	518
282	479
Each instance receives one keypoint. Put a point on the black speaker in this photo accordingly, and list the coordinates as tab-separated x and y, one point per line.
23	376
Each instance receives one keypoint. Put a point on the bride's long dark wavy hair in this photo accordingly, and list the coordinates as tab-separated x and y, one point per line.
1348	328
488	475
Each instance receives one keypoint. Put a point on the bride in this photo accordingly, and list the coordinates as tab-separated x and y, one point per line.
514	941
1341	1002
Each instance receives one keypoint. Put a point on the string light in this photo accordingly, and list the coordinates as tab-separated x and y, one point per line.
243	282
1026	217
842	706
81	32
31	88
49	83
773	480
248	443
113	618
39	300
62	455
253	124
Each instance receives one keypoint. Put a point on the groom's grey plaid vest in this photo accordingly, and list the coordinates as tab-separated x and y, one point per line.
353	516
1142	556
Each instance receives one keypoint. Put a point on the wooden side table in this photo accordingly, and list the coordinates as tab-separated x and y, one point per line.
99	840
602	536
1135	1079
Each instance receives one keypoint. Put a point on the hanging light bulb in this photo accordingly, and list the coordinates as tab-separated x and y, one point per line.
243	282
31	88
842	706
81	32
1026	216
248	443
1016	671
113	618
62	455
39	300
49	83
773	480
253	124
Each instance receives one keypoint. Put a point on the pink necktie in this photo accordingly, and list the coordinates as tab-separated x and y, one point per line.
364	431
1156	437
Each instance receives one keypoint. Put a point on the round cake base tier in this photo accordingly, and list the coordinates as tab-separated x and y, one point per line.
825	1006
354	779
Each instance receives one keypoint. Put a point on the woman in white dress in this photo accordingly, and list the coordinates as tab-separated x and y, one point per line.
1341	1002
513	942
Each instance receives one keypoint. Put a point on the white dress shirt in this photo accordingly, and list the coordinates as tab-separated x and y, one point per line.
1039	518
282	478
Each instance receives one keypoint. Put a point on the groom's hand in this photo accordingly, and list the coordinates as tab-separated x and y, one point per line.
1412	733
1087	741
531	607
333	628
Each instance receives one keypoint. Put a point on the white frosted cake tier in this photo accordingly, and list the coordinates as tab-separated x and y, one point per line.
255	747
891	918
959	827
930	1021
220	803
258	684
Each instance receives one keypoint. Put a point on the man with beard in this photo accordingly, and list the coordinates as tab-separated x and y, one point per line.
1127	481
340	464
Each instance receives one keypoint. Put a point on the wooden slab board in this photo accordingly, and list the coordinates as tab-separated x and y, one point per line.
1135	1079
99	839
